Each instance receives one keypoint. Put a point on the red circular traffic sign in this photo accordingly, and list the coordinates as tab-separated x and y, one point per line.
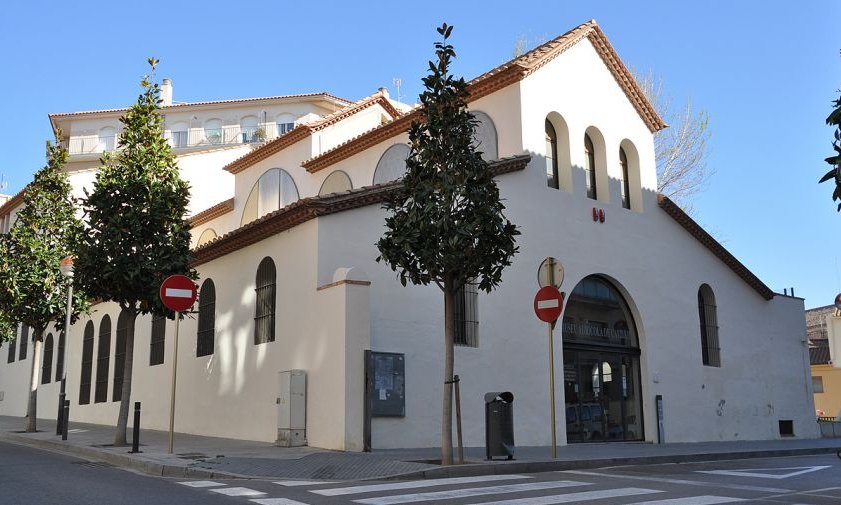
178	292
548	303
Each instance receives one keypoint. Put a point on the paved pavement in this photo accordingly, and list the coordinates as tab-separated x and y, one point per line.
209	458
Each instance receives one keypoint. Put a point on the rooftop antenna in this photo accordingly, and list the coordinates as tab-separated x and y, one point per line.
3	183
397	83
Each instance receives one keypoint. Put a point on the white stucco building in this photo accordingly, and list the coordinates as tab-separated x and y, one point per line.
285	223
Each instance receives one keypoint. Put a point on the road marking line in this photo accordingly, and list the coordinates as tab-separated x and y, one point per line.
200	483
574	497
455	494
755	472
294	483
276	501
691	500
237	491
415	484
681	481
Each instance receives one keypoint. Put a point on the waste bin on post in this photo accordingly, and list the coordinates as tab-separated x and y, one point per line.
499	425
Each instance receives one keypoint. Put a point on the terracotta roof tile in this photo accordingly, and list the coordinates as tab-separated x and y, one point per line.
308	208
303	131
714	246
12	202
212	213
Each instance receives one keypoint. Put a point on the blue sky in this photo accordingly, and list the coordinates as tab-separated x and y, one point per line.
765	71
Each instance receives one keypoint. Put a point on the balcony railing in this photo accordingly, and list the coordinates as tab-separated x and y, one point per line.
91	144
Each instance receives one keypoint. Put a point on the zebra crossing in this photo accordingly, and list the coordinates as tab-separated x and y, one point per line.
479	490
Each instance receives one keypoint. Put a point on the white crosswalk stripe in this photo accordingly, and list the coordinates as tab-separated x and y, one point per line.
200	483
575	497
295	483
276	501
468	492
415	484
237	491
692	500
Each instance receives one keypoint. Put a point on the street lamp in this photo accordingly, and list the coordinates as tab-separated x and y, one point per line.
66	267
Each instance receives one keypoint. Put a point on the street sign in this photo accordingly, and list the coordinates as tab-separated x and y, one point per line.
550	273
178	292
548	303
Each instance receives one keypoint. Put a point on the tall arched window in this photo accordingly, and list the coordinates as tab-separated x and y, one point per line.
206	333
213	131
264	317
124	326
624	189
248	127
47	365
156	343
107	139
24	341
103	361
285	123
551	156
707	313
484	136
87	365
590	167
12	350
392	164
274	190
59	359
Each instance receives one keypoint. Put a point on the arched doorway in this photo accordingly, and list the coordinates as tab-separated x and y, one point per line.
601	365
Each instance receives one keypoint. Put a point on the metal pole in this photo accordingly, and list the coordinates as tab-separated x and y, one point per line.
172	396
66	420
135	441
456	380
552	391
60	417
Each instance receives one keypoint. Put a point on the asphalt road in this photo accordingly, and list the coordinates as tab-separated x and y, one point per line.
28	476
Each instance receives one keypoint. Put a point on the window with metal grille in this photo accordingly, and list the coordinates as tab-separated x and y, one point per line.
551	155
467	315
124	326
59	360
13	344
710	351
103	356
47	365
207	319
590	167
264	322
156	345
87	365
24	341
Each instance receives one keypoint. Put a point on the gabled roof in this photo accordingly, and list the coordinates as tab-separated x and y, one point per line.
209	214
714	246
303	131
309	208
504	75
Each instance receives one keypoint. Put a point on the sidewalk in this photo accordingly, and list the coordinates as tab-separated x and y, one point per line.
208	457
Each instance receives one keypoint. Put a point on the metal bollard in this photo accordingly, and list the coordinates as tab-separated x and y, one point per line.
59	423
65	419
135	443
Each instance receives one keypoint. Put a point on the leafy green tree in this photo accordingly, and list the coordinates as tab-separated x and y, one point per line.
137	234
834	119
446	224
32	289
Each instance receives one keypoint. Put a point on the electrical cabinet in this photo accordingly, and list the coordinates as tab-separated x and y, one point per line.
292	409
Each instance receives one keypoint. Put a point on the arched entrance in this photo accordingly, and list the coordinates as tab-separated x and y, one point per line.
601	365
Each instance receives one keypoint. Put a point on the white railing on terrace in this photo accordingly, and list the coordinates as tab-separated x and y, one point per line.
192	137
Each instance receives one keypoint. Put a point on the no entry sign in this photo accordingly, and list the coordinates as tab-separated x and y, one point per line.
548	303
178	292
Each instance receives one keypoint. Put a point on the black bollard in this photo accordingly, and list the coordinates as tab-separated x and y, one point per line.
65	419
135	443
59	423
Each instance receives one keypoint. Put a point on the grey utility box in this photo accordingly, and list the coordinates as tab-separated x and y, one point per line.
292	409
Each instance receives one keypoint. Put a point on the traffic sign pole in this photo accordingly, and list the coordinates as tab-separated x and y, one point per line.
548	304
172	396
552	391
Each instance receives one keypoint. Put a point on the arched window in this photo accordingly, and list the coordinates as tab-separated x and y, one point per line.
336	182
47	365
248	128
707	314
392	164
206	333
484	136
285	123
59	360
124	326
156	343
467	315
274	190
551	155
107	139
207	236
178	134
589	167
213	131
24	341
12	350
103	357
87	365
625	191
264	317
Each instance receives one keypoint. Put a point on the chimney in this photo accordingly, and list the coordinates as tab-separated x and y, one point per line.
166	92
384	92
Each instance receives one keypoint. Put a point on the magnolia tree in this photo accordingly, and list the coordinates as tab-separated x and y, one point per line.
137	233
32	288
446	224
834	119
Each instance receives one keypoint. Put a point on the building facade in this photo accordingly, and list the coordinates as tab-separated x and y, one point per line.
285	231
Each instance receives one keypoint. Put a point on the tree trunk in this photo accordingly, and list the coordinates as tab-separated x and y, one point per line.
125	399
32	406
449	336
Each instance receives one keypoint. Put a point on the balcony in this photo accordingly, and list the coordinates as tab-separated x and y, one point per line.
90	144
